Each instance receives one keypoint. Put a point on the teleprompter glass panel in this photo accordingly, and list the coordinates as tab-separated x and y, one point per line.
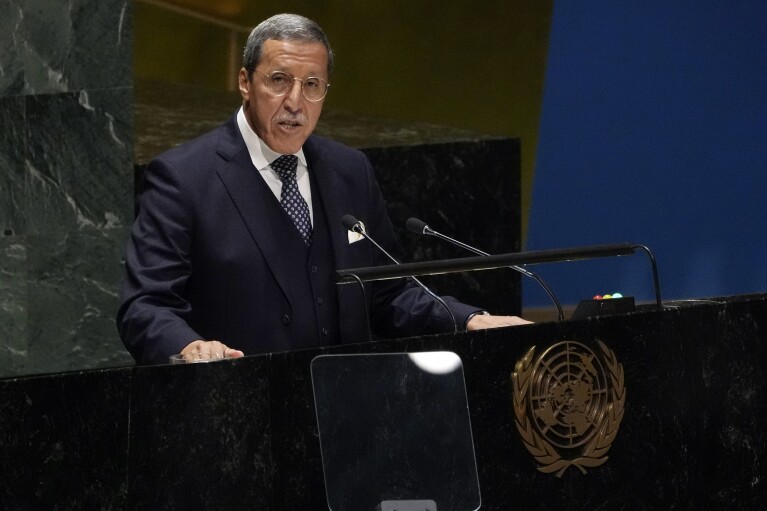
395	427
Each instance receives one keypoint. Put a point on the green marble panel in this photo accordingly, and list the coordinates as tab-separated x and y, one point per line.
65	46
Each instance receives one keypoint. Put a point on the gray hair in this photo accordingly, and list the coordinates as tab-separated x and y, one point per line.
283	27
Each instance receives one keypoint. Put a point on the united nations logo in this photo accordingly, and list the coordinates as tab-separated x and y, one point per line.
568	405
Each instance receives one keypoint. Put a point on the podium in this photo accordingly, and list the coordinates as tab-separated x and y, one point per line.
243	434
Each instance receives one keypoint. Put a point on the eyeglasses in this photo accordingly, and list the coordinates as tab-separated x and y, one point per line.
313	88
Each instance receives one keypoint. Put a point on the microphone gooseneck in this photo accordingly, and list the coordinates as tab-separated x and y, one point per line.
417	226
354	225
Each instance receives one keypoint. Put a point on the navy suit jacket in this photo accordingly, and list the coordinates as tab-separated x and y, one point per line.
211	257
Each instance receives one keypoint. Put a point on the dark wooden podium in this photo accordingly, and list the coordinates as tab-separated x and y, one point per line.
242	434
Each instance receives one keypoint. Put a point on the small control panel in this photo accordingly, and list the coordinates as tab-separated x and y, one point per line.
604	305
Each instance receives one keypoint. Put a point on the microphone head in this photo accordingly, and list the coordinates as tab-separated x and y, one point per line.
350	222
416	226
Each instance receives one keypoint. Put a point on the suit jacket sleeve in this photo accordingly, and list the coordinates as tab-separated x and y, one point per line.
153	316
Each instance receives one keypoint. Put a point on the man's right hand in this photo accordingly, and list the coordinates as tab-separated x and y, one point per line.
200	349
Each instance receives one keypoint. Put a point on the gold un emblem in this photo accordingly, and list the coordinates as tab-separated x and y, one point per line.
568	405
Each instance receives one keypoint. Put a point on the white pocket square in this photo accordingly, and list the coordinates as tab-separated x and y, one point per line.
355	236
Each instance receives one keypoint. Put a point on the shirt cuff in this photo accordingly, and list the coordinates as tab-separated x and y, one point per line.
478	313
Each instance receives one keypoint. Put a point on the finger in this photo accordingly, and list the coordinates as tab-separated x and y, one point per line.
228	352
516	320
209	350
191	350
203	350
213	350
224	351
216	349
232	353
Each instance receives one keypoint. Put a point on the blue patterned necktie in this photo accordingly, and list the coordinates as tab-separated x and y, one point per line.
291	199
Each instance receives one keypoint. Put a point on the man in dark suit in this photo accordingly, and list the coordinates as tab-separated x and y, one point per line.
239	232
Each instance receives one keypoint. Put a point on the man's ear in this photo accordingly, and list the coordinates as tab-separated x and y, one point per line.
244	84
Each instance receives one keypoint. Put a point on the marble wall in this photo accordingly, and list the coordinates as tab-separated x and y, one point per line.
66	123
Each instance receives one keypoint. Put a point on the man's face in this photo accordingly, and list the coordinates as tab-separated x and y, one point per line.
284	122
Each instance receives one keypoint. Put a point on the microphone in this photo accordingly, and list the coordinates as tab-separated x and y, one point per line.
417	226
354	225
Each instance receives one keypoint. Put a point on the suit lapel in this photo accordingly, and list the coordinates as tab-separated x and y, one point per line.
270	228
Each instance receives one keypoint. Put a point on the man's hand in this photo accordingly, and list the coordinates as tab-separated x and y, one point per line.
209	350
483	321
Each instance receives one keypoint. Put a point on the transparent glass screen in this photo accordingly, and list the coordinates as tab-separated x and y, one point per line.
395	427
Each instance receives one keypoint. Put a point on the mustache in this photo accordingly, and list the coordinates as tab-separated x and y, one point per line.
292	119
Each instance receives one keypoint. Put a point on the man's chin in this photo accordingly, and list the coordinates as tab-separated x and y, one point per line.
287	145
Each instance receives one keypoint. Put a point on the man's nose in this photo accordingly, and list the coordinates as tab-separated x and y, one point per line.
294	97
